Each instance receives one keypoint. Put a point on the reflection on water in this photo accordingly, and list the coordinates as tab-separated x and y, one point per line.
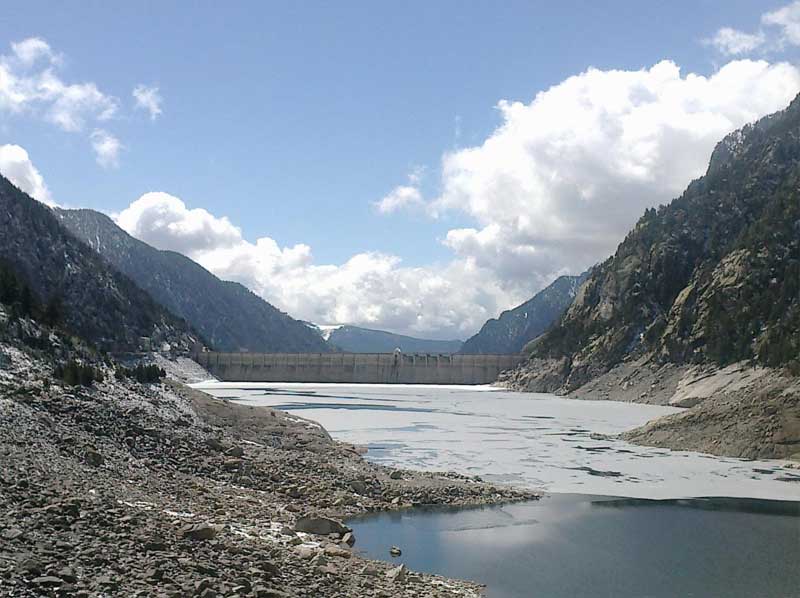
535	440
580	546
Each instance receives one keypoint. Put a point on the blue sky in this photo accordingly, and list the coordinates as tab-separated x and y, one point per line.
293	119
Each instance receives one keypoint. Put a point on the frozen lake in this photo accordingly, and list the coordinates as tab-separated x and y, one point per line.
534	440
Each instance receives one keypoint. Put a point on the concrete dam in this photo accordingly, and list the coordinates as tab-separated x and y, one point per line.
360	368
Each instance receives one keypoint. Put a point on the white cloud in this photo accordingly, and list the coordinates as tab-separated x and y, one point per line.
779	28
556	186
30	50
733	42
372	289
16	166
149	99
30	84
403	196
106	148
552	190
787	20
164	221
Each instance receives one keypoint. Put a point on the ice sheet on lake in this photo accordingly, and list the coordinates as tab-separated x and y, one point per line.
536	440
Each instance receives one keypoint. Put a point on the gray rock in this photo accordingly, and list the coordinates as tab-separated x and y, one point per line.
397	574
198	531
93	458
321	526
359	487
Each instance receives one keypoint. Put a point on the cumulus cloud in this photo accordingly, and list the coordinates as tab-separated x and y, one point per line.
106	148
403	196
148	99
556	186
164	221
552	190
16	166
372	289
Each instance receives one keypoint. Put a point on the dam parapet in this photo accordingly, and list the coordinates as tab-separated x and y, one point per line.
357	368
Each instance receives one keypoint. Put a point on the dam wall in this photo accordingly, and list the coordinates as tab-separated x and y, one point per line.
360	368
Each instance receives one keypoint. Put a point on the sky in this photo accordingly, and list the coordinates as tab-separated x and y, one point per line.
416	167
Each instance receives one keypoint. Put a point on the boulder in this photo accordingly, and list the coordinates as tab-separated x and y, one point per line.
397	574
359	487
93	458
321	526
198	531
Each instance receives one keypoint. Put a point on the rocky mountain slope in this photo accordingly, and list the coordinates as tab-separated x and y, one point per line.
93	299
354	339
713	277
227	314
516	327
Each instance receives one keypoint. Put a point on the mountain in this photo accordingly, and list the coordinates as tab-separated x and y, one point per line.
352	339
94	300
227	314
516	327
712	278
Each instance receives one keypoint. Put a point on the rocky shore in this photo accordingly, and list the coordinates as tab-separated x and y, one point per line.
735	411
124	489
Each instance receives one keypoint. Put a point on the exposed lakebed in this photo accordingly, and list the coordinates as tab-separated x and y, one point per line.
533	440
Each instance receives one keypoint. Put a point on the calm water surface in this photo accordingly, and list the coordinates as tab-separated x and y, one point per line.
575	546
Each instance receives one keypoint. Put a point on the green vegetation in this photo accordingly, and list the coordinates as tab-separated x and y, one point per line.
144	374
73	373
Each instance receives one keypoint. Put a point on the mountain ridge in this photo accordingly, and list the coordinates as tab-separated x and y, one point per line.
229	315
99	303
713	277
513	329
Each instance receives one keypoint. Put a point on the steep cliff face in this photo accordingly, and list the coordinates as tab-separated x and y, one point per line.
713	277
97	302
510	332
229	316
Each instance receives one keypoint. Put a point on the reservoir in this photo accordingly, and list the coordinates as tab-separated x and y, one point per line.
618	520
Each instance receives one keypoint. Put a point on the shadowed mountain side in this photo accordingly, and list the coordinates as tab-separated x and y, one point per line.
229	316
92	298
516	327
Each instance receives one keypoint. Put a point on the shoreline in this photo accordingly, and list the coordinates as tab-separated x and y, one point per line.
127	489
740	410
